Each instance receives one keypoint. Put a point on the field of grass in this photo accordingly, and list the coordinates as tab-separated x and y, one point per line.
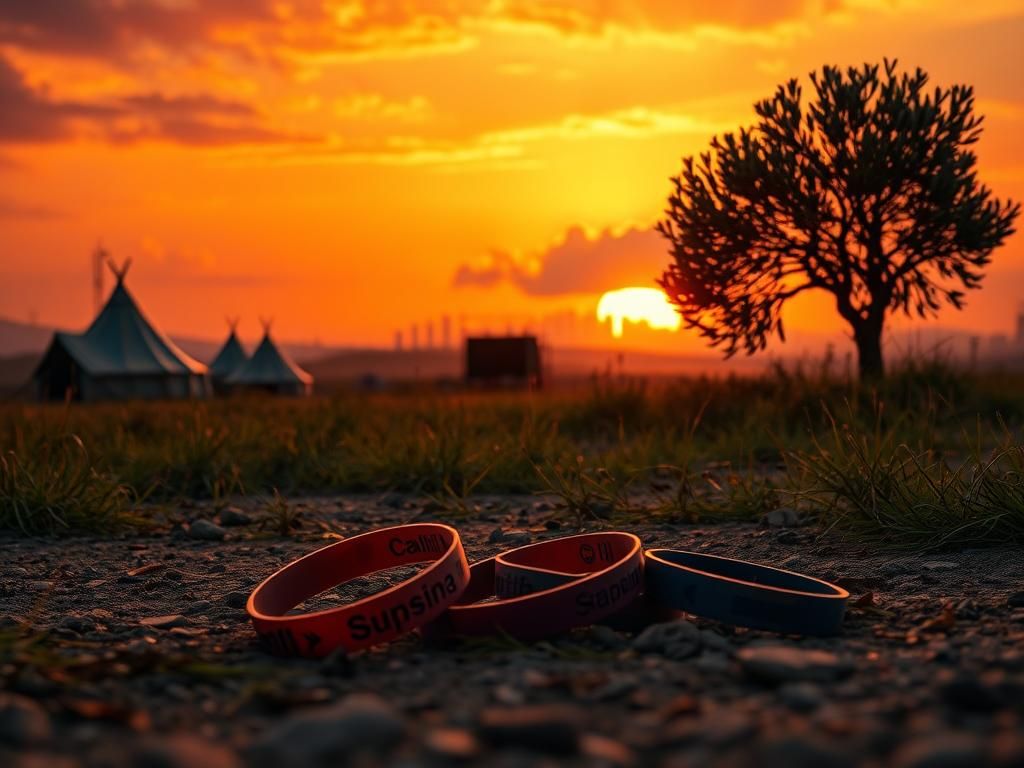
931	457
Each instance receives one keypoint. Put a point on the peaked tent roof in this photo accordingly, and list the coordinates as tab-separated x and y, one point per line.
121	341
230	358
269	366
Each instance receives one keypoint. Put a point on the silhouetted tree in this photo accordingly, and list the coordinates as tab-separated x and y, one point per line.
868	192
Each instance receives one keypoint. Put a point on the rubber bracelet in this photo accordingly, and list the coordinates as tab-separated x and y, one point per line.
606	575
516	574
378	618
745	594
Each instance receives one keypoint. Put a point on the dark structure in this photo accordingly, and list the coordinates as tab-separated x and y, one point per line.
503	361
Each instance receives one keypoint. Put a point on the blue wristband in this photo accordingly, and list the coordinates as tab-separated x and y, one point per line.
744	594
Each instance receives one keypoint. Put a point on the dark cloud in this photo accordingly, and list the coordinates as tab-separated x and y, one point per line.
113	30
577	264
31	115
109	28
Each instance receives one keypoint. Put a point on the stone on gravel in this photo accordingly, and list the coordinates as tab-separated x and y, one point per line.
600	750
938	565
515	537
801	696
204	530
1016	600
182	751
79	624
331	735
452	743
677	640
233	516
164	622
198	607
783	517
550	729
941	750
23	723
607	638
778	664
236	599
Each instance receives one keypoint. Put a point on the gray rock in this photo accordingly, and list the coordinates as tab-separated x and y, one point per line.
164	622
331	735
206	531
233	516
236	599
678	639
181	751
1016	600
777	664
783	517
711	640
515	537
23	723
607	638
801	696
198	607
79	624
938	565
548	728
941	750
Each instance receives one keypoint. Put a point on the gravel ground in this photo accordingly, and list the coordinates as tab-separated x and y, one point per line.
136	651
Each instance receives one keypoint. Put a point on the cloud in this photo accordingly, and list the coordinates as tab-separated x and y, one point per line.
488	147
374	106
290	30
31	115
115	30
578	264
597	17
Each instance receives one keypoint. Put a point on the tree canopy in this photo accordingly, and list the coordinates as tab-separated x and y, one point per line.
868	191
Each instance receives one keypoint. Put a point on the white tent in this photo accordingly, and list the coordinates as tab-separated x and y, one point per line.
121	356
230	358
271	370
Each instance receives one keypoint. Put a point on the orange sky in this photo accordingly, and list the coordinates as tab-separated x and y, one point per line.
353	167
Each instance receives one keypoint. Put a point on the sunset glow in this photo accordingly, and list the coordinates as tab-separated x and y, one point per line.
637	305
355	169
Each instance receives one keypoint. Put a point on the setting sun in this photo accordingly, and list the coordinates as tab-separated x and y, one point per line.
637	305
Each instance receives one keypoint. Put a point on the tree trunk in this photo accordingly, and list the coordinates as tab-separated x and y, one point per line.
868	336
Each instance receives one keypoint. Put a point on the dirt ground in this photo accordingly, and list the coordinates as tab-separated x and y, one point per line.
135	650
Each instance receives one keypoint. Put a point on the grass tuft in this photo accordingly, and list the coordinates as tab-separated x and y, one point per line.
58	490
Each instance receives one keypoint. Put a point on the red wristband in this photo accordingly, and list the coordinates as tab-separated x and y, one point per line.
549	587
379	618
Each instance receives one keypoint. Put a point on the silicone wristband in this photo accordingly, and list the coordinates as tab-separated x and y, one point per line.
606	575
744	594
378	618
514	576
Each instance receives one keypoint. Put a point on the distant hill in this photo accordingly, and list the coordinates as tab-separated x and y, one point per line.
22	339
15	371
